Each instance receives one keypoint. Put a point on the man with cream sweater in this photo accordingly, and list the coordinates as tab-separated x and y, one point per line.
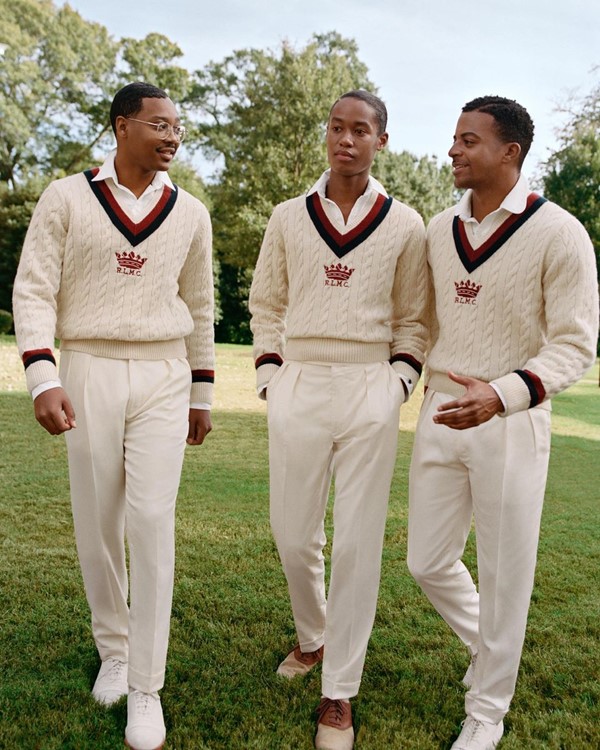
515	321
117	263
337	304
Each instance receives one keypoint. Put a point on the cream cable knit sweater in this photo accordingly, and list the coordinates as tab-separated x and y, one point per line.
531	307
146	297
310	304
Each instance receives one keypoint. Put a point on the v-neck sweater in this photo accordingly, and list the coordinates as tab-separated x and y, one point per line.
520	310
109	287
320	295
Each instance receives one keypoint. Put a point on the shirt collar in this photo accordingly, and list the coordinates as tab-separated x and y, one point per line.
515	202
107	170
320	185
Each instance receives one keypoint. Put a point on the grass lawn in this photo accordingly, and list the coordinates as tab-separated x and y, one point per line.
231	619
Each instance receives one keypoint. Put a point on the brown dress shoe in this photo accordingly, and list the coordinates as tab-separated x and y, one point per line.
334	725
299	663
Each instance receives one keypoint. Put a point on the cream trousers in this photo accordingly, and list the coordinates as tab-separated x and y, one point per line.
340	421
125	459
495	472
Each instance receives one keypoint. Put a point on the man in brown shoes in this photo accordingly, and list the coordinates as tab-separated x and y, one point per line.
337	303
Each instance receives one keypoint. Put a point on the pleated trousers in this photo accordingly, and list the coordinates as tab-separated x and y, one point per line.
495	473
125	459
333	421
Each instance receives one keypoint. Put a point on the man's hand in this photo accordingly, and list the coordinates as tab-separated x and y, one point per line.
479	404
199	426
54	411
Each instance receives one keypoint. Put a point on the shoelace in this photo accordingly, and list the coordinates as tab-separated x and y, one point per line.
474	727
311	657
116	670
143	702
332	708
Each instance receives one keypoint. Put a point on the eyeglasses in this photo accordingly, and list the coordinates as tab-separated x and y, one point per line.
163	129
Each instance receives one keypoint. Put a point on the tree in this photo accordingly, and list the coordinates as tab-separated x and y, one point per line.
418	182
572	177
55	76
58	74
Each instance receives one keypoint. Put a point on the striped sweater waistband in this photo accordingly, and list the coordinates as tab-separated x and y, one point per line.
171	349
336	350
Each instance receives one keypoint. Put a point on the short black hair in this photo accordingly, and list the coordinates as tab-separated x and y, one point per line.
373	101
513	122
128	100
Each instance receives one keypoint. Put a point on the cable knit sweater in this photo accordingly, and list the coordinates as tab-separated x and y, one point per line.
318	295
521	311
106	286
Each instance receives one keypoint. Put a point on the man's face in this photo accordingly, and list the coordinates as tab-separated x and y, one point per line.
141	144
352	137
477	153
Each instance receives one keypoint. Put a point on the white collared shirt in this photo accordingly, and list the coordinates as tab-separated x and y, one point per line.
360	209
135	208
515	202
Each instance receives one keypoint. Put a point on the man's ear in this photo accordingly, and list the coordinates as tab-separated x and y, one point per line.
121	127
382	142
512	152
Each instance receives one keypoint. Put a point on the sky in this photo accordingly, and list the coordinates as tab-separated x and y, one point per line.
426	57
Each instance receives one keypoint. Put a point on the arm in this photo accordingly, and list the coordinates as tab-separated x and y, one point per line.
197	291
268	304
410	302
569	320
35	294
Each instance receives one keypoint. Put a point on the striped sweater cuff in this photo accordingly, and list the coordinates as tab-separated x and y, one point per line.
266	367
40	367
521	389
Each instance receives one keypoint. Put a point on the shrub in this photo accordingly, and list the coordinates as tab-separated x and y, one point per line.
6	321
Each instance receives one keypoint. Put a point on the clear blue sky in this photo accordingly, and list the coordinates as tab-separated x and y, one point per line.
427	57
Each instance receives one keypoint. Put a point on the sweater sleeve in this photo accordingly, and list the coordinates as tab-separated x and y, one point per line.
410	296
37	284
570	299
268	303
197	291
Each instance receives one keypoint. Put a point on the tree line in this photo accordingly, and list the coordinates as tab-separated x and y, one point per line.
257	115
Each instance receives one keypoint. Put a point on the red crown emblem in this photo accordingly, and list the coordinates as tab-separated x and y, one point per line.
338	272
468	289
130	260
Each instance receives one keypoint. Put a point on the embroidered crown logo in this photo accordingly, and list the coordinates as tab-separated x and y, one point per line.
337	275
466	292
130	260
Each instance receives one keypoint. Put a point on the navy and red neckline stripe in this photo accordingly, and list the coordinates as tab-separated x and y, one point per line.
133	233
471	258
342	244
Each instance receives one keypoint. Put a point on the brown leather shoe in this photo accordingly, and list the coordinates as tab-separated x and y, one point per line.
299	663
334	725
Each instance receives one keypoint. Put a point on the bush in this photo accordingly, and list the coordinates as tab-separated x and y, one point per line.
6	321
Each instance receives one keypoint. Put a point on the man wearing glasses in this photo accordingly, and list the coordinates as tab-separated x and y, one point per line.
117	263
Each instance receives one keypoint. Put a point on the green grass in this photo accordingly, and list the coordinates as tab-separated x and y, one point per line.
231	618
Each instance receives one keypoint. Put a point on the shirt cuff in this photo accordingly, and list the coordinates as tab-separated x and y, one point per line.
408	386
500	395
39	389
204	407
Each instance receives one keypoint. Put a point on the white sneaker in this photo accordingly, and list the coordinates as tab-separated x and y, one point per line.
145	728
467	680
478	735
111	683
